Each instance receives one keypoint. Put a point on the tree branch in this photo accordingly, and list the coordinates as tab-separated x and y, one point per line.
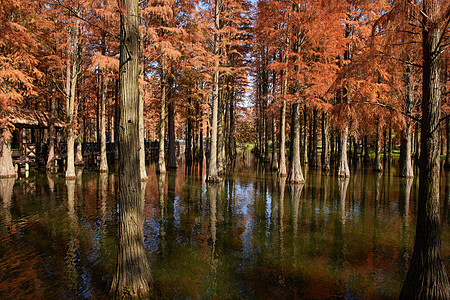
390	108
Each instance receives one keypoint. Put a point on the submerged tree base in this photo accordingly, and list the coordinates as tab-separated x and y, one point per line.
213	179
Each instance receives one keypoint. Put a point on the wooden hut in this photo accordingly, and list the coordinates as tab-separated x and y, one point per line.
30	134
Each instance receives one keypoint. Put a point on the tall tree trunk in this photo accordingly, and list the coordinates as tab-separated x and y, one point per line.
378	165
71	82
212	170
220	136
52	137
172	159
232	140
162	119
314	158
325	143
103	158
282	165
390	143
133	274
142	169
406	169
342	167
427	277
295	169
274	165
305	137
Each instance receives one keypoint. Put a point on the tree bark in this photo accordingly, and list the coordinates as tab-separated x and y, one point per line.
274	165
212	170
325	143
427	277
103	158
342	167
314	159
282	165
172	159
220	136
70	89
142	169
305	137
133	275
162	119
52	137
378	165
295	168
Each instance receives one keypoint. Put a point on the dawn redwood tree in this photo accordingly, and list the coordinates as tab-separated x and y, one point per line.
427	277
133	273
213	175
71	79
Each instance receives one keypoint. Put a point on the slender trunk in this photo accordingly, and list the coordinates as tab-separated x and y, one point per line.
188	151
406	169
282	165
52	137
172	159
314	159
342	167
325	143
133	275
390	143
427	277
212	170
220	136
295	168
142	169
71	81
103	158
162	119
305	137
378	165
332	147
79	146
232	140
366	158
274	165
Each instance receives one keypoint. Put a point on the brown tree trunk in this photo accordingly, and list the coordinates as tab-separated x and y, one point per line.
52	137
162	119
325	143
172	159
70	89
274	165
103	158
282	165
104	92
378	165
314	159
133	275
295	168
427	277
342	164
213	175
305	137
220	136
142	169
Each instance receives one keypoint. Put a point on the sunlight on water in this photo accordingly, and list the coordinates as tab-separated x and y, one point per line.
251	236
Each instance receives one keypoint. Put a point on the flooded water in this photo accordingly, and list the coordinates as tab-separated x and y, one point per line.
251	236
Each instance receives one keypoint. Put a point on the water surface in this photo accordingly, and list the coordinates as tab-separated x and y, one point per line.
251	236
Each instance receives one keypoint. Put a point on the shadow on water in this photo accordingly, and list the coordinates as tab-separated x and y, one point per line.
251	236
